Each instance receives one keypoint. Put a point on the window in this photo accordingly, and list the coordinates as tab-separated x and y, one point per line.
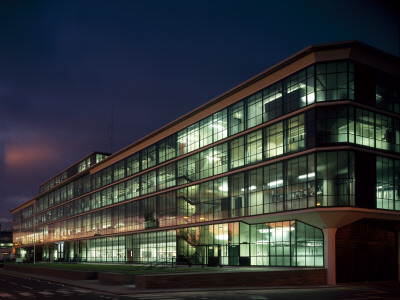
254	191
206	163
300	183
132	164
254	147
387	92
166	177
236	205
119	170
387	183
254	110
106	176
273	188
220	125
365	131
334	81
272	102
167	149
295	92
295	136
387	133
206	131
148	156
236	118
133	188
193	137
237	152
274	140
332	125
335	179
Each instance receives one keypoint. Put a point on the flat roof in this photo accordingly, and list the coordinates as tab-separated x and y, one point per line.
309	55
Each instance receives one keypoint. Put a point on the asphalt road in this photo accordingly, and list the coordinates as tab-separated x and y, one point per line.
18	287
358	292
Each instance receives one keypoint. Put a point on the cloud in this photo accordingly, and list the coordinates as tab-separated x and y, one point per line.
26	147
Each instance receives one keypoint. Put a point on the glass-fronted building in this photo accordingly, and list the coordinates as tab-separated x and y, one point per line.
299	166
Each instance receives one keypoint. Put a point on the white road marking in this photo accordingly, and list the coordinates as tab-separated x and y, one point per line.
27	287
82	291
5	295
26	294
46	293
64	292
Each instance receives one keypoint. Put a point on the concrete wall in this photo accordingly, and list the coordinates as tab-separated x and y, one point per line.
232	279
366	251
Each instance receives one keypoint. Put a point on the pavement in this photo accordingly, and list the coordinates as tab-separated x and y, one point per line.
130	289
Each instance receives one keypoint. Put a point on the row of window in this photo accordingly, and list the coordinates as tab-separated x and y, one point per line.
287	243
387	183
321	82
285	137
338	124
75	169
322	179
328	81
345	124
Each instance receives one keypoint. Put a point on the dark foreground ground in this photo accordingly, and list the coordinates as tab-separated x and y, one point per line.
23	286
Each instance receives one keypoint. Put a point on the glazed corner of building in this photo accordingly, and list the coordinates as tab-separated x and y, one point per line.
314	127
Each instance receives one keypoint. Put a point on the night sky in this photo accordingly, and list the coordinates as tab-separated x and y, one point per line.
67	67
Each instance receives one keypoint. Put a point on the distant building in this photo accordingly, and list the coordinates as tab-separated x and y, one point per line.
298	166
6	245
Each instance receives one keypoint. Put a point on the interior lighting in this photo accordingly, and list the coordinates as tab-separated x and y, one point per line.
276	183
217	126
277	229
223	188
296	87
314	244
251	188
285	229
273	97
309	175
262	242
221	236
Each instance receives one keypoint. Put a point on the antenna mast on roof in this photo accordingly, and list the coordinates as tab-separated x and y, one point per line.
111	130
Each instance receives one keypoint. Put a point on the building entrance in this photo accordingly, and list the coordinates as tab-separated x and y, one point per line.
214	255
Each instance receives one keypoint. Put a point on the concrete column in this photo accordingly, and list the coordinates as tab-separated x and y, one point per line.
330	254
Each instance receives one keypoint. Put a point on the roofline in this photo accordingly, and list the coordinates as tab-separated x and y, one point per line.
302	53
272	69
66	169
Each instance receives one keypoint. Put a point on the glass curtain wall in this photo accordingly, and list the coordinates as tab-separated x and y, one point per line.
287	95
322	82
387	183
321	179
344	124
287	243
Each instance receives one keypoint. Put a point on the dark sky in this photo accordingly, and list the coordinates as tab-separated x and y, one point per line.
66	65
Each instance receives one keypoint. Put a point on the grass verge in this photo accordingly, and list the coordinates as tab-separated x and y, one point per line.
119	268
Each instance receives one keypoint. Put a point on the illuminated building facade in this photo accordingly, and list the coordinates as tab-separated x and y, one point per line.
298	166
